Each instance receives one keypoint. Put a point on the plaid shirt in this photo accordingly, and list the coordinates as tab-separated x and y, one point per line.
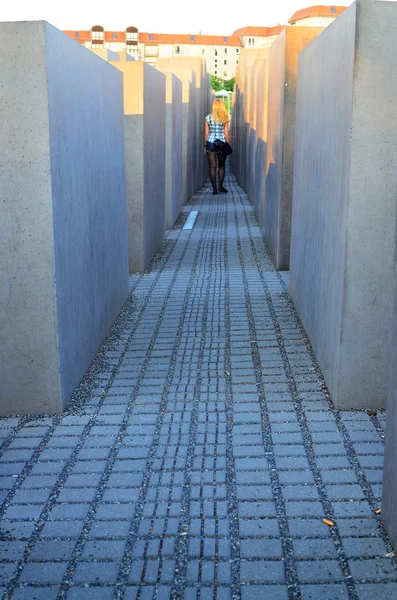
217	130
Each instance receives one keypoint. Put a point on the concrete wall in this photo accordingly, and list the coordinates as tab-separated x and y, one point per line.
144	108
283	66
246	112
105	54
63	256
173	151
261	139
344	204
126	56
199	107
189	150
389	492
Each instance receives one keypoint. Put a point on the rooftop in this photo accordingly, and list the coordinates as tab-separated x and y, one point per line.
183	38
161	38
317	11
259	31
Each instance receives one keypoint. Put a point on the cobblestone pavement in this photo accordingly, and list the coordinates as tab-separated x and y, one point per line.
200	455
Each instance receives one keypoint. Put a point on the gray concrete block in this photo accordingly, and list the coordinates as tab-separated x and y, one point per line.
389	504
196	95
189	150
144	109
344	206
259	161
283	64
173	151
63	261
106	54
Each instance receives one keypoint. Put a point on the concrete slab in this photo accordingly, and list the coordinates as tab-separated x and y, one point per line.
200	109
173	150
283	67
189	150
344	205
389	488
64	259
145	118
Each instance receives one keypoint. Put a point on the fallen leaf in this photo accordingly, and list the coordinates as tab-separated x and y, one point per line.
328	522
377	512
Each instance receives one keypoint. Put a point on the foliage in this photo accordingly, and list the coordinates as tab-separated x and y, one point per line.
229	85
217	83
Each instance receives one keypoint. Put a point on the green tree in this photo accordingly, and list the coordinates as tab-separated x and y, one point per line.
229	85
217	83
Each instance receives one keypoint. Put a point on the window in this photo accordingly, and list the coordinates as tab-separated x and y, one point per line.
203	51
237	50
132	36
132	49
216	52
178	49
225	73
114	36
225	50
333	10
225	40
151	50
97	35
216	61
76	34
225	62
151	36
192	38
236	62
215	72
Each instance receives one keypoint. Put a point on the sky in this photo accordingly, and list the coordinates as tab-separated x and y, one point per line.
157	16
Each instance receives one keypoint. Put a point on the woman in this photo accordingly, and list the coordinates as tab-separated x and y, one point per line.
216	127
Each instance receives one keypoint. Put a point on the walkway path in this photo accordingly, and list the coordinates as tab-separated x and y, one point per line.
201	454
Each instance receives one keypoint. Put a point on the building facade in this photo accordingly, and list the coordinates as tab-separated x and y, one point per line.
258	37
220	52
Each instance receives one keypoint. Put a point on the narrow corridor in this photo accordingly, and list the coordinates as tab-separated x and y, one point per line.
201	454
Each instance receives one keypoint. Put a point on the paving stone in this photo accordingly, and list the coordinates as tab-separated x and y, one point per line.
377	591
259	592
35	593
86	593
11	551
261	571
91	572
319	571
364	547
314	548
259	527
372	569
6	572
51	550
43	572
262	548
326	592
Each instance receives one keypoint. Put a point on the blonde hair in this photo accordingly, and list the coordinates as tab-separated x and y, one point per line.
219	112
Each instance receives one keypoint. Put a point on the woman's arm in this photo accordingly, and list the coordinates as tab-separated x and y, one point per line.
206	134
227	136
206	131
